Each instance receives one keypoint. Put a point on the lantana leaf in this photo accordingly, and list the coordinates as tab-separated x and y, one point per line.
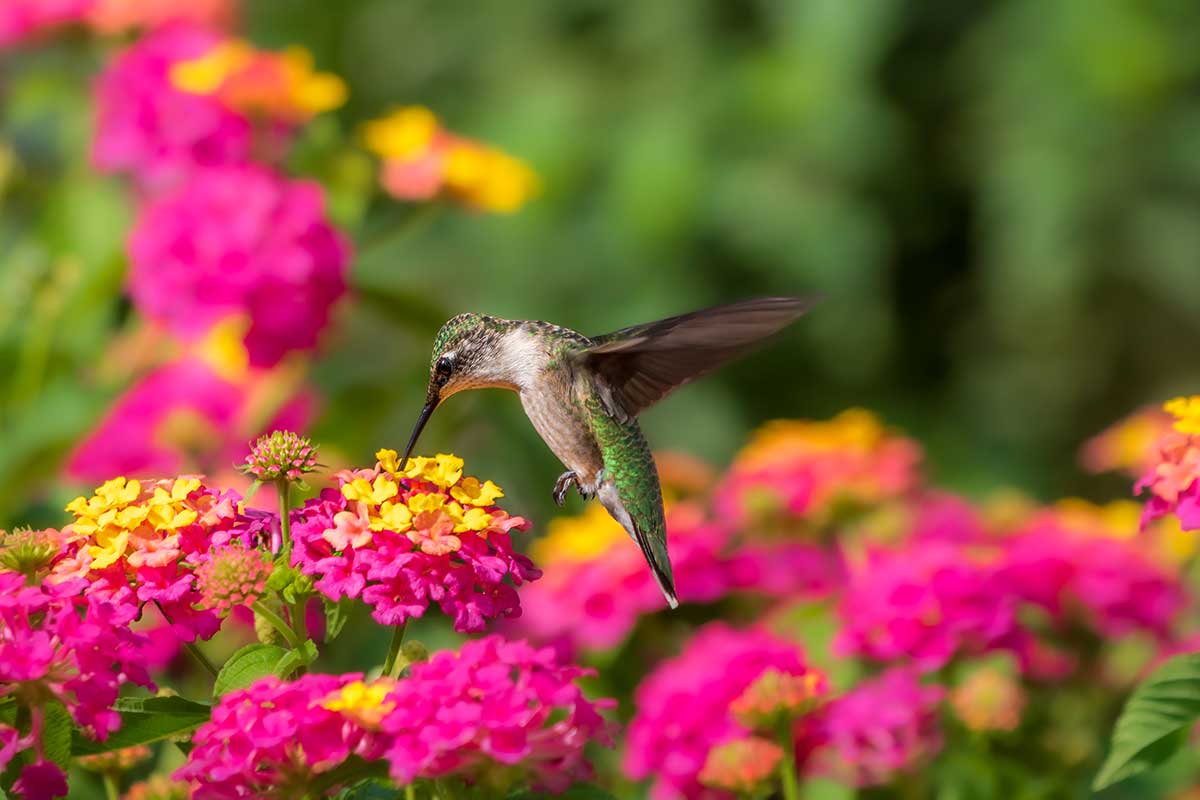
247	665
144	720
1148	730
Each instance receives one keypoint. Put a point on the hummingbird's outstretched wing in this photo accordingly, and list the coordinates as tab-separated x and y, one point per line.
641	365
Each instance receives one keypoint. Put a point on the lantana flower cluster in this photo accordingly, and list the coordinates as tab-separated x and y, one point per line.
493	711
62	644
1173	477
422	160
403	537
22	20
150	537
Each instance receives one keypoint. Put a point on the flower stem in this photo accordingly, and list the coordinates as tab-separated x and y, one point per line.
393	653
284	487
410	792
787	767
192	648
299	625
111	790
278	623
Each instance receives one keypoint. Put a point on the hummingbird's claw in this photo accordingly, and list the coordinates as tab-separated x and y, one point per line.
562	485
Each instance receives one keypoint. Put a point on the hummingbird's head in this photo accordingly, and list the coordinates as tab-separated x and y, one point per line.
468	353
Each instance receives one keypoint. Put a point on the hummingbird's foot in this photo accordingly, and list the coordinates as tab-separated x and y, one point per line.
563	484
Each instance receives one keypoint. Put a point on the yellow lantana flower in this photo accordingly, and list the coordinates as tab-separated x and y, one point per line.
442	470
426	502
470	492
473	519
392	517
365	703
403	134
1186	411
374	493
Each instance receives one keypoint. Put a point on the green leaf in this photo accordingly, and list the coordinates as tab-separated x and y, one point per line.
336	614
1150	727
144	720
57	727
371	790
301	656
580	791
247	665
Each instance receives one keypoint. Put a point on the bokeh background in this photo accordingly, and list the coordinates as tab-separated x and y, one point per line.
998	200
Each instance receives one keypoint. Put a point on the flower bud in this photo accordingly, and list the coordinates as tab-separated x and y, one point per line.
280	455
776	697
233	576
988	700
116	760
29	552
745	766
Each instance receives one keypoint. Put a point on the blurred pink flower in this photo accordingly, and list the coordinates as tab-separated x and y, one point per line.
596	585
382	549
114	16
1107	584
180	416
25	19
1173	481
274	738
882	727
683	706
796	470
1127	445
240	240
152	130
494	702
927	602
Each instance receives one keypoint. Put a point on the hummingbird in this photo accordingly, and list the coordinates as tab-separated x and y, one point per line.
583	395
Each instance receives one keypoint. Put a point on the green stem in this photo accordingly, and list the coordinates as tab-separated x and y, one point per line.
787	767
393	653
192	647
410	792
299	625
284	487
111	790
278	623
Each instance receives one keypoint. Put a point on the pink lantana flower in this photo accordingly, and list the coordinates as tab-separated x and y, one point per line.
404	538
683	707
21	20
240	240
494	705
1173	477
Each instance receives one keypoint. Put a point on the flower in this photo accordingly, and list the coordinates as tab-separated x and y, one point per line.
989	699
1085	577
1128	444
683	706
150	536
1172	475
25	19
159	787
422	160
926	601
274	738
240	240
492	706
56	642
745	766
777	696
596	585
365	703
116	760
233	576
280	454
184	415
147	127
882	727
799	469
29	552
395	536
257	83
114	16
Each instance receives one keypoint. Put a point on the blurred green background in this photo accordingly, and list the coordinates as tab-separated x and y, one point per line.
999	201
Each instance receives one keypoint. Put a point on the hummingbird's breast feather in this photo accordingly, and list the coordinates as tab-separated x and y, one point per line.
554	409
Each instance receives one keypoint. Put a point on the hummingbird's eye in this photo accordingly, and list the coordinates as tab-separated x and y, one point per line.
442	370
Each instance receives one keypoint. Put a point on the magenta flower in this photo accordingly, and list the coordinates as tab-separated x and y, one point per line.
493	705
683	707
882	727
273	739
1105	584
926	602
147	127
403	541
58	642
240	240
180	416
25	19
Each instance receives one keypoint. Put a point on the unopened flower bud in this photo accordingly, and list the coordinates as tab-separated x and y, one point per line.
745	766
116	760
29	552
233	576
282	454
989	700
777	696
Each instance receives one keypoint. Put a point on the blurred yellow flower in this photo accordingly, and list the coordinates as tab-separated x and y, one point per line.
365	703
581	538
1186	411
404	133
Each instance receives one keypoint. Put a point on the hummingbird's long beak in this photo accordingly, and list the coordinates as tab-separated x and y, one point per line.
430	404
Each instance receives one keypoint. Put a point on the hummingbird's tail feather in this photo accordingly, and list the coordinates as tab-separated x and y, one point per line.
651	540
